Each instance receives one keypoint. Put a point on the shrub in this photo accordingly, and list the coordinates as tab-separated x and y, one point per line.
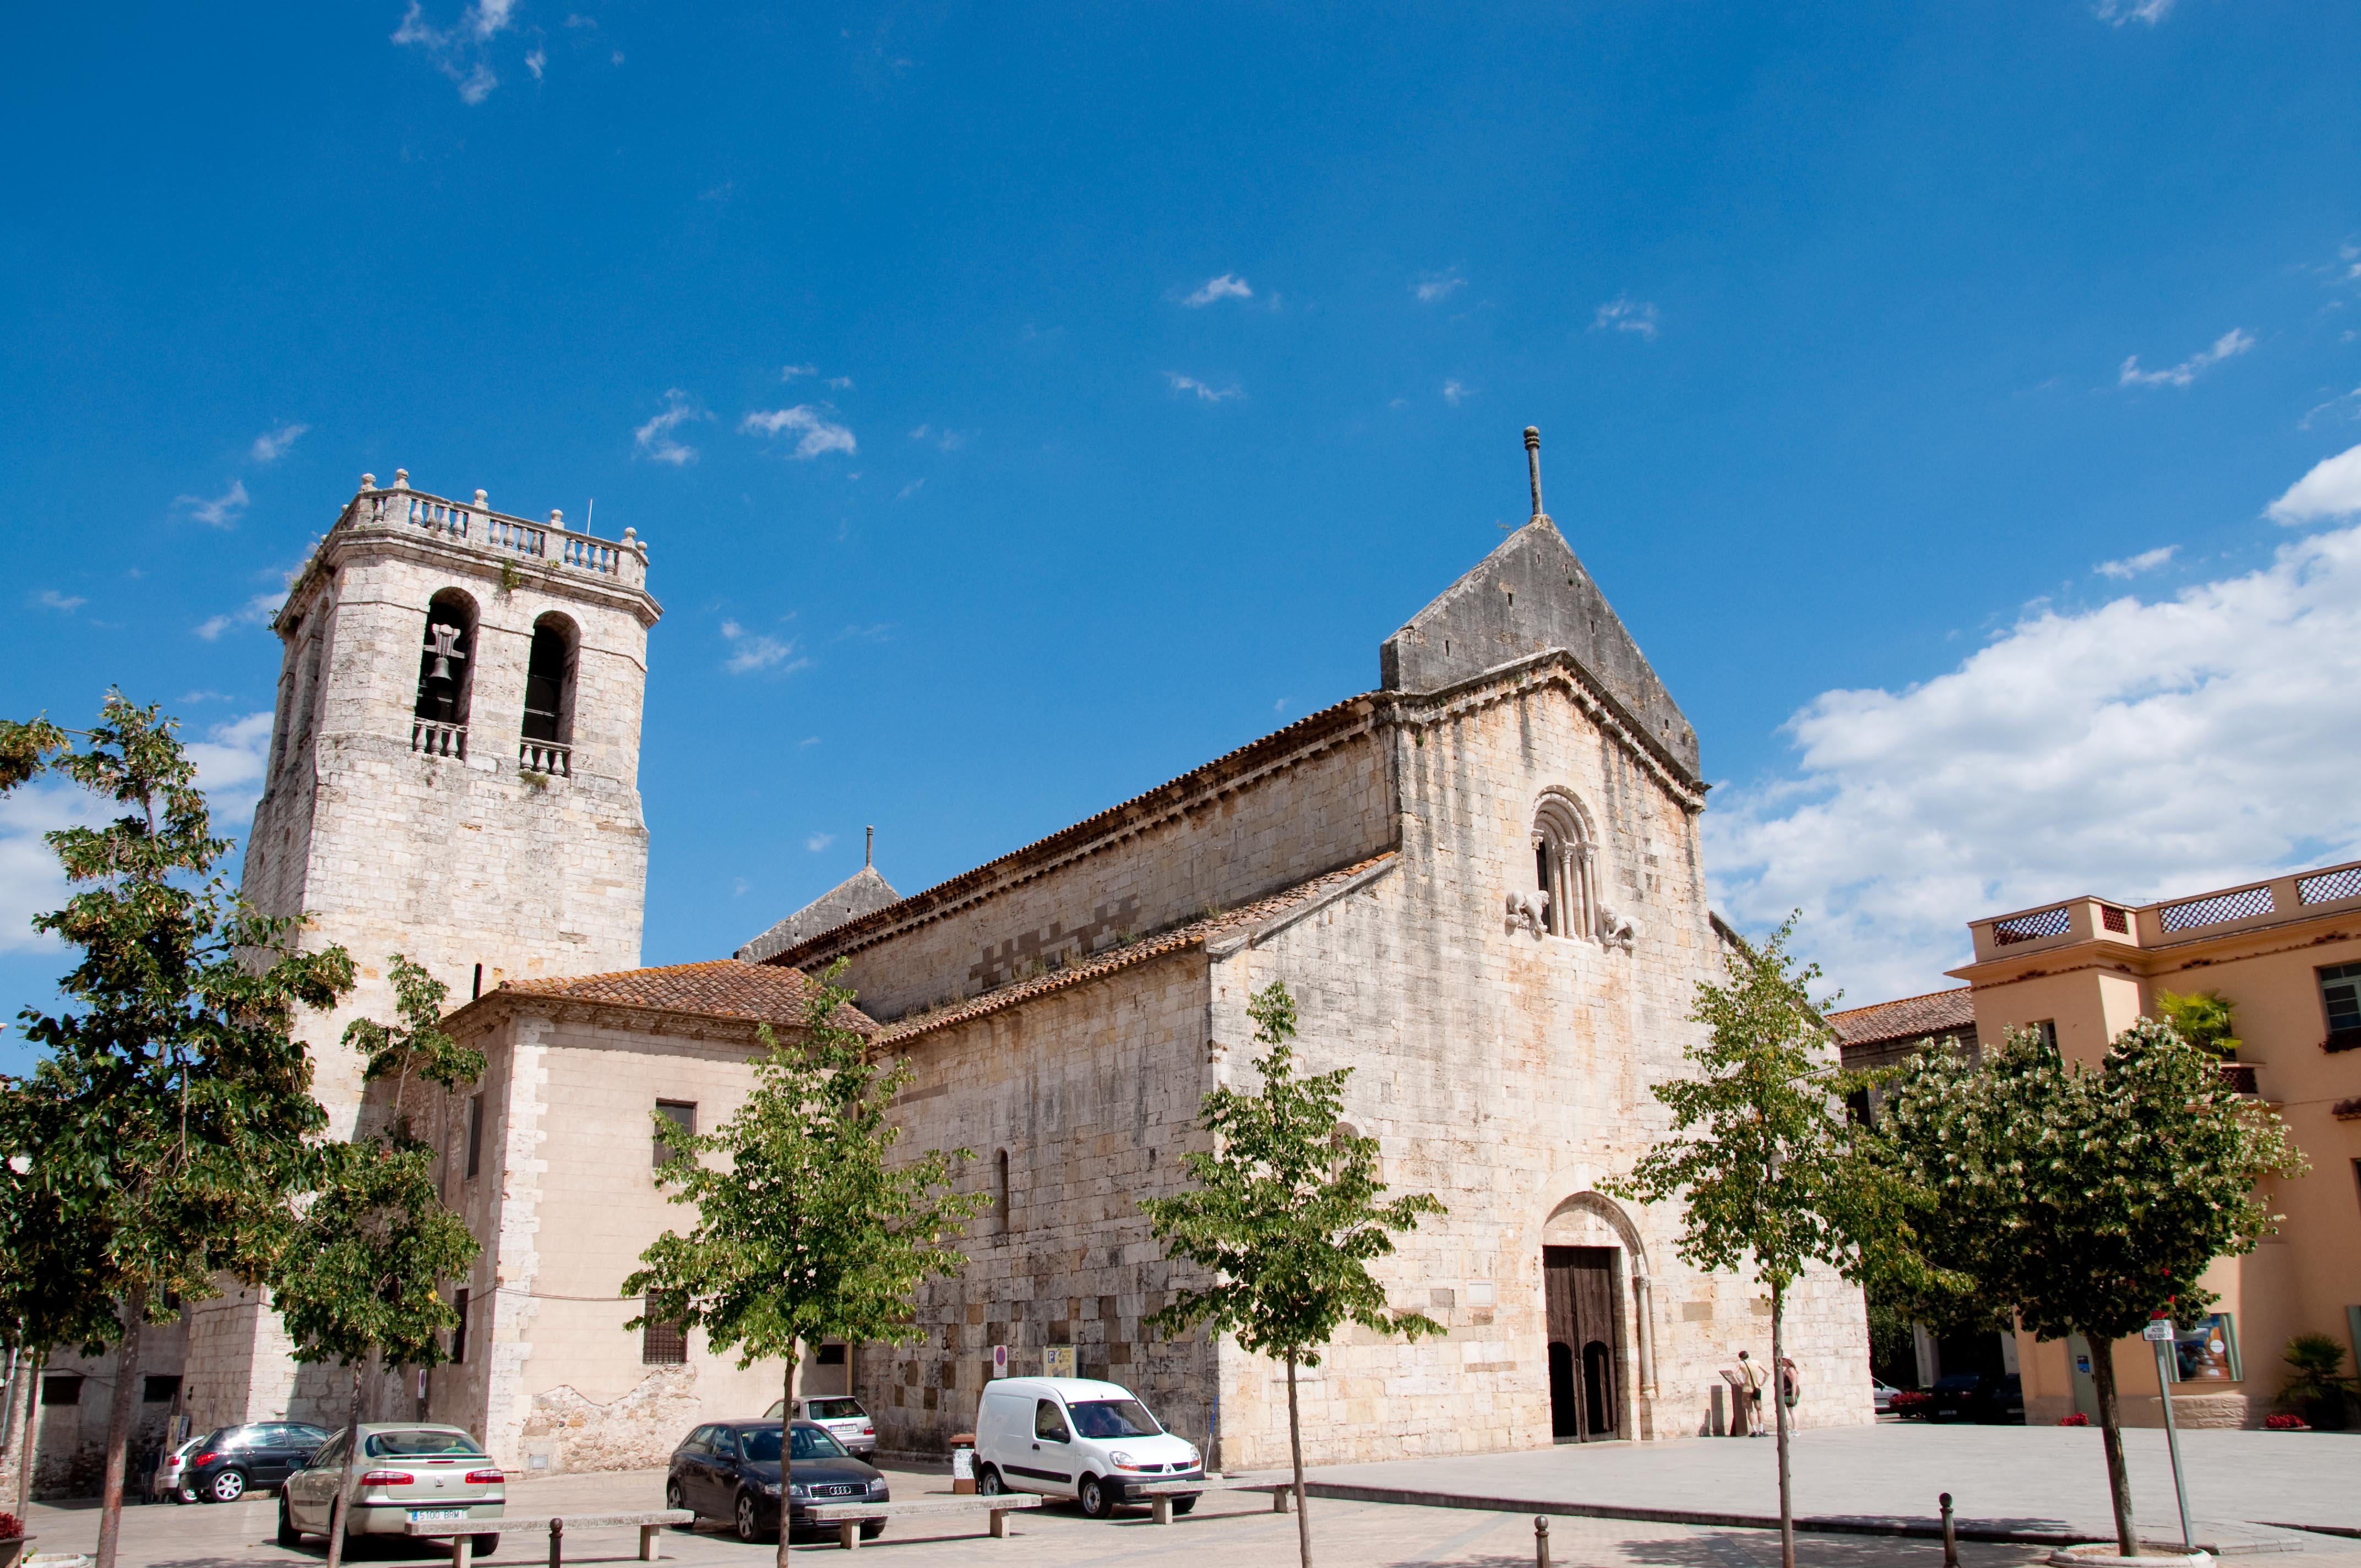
11	1527
2282	1421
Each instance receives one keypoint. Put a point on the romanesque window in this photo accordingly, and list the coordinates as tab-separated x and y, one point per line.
548	732
1563	870
446	659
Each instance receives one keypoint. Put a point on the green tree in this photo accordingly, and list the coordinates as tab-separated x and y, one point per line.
416	1046
2206	1020
48	1258
1287	1213
359	1278
806	1226
1761	1154
177	1096
2083	1200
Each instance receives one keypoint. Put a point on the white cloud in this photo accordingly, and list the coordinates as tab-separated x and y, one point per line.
2236	341
49	599
1205	393
2118	12
1625	313
536	62
1454	393
256	611
819	841
457	51
750	651
1432	286
840	383
818	432
655	441
2133	565
789	372
271	445
944	440
912	488
2333	488
229	769
1225	287
222	510
2135	750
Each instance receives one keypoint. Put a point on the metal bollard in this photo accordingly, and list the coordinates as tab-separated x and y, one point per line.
1951	1538
557	1544
1540	1544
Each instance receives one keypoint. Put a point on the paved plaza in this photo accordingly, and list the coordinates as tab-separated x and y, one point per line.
2047	1477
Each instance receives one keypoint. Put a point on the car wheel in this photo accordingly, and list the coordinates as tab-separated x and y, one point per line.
748	1519
1093	1494
872	1530
676	1498
227	1486
987	1483
485	1546
288	1534
1183	1505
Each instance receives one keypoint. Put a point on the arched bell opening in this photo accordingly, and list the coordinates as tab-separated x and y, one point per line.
446	669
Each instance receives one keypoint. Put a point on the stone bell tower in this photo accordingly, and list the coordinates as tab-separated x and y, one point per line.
454	776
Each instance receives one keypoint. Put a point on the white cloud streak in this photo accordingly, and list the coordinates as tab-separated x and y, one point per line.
259	610
271	445
49	599
1625	313
655	441
2135	750
2333	488
815	432
750	651
1429	286
1455	394
819	841
2229	345
1205	393
2133	565
2117	12
1225	287
458	50
222	510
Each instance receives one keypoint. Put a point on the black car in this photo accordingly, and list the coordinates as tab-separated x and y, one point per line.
729	1470
233	1460
1979	1396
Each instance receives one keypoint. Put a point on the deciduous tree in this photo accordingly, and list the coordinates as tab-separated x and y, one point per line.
1286	1214
807	1226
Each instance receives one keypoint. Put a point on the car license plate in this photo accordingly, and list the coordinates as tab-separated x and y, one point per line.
435	1516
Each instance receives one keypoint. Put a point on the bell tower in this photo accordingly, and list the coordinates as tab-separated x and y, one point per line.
454	767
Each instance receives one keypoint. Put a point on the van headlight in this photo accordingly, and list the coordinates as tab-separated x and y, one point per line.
1122	1461
1195	1457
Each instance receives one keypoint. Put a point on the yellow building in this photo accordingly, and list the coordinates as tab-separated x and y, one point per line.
2285	953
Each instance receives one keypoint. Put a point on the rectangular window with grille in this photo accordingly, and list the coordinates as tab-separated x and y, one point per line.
660	1344
2340	998
681	1113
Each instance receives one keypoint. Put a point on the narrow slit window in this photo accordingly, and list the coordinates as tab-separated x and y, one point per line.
459	1303
474	1134
1000	1196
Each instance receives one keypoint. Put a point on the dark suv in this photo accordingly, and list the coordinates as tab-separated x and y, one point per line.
1979	1396
237	1459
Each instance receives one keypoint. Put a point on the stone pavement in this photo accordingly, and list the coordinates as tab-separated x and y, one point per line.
2032	1480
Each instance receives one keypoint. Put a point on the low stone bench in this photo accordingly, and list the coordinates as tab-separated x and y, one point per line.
847	1518
1159	1494
463	1532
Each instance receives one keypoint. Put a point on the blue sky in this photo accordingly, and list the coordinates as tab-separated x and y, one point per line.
1026	403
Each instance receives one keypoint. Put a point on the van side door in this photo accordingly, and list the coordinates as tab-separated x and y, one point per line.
1047	1463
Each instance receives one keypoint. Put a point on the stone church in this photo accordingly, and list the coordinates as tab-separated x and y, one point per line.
1481	880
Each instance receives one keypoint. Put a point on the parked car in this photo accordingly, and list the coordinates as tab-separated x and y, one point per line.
1979	1396
233	1461
174	1462
729	1470
845	1419
1078	1438
408	1471
1881	1395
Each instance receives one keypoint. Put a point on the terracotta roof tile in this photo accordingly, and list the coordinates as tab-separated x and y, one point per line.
1192	934
1935	1014
718	988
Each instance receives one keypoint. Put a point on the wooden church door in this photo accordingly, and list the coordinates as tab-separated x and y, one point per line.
1580	1286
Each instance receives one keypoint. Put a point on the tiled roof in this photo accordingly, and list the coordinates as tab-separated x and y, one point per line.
1212	928
860	893
718	988
1935	1014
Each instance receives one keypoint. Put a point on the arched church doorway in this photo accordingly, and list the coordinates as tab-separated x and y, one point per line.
1583	1296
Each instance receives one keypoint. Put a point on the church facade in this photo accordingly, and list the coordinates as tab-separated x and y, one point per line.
1481	880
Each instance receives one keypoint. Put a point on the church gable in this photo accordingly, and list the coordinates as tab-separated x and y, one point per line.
1528	596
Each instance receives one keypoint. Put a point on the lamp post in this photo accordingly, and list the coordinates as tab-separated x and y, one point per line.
2159	1333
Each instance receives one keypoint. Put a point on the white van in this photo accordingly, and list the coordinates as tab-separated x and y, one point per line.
1076	1437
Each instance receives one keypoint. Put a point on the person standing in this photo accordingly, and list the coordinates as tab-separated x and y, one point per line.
1751	1372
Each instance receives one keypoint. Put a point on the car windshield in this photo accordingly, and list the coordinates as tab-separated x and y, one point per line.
1115	1418
423	1443
760	1445
835	1410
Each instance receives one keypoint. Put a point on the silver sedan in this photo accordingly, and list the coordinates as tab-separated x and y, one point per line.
407	1472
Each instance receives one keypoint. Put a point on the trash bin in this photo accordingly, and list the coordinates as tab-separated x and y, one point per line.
963	1464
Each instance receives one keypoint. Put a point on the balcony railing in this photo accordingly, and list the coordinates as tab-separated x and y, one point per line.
433	737
402	506
546	757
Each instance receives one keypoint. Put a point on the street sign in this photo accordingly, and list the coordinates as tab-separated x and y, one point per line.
1000	1361
2159	1330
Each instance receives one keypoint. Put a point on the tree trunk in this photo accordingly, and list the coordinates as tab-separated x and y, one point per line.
29	1447
119	1414
345	1477
1295	1446
787	1439
1779	1415
2111	1437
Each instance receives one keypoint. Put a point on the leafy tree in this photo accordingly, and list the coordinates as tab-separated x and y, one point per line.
807	1227
2206	1020
359	1278
176	1095
1761	1155
1286	1215
417	1046
2087	1198
48	1256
